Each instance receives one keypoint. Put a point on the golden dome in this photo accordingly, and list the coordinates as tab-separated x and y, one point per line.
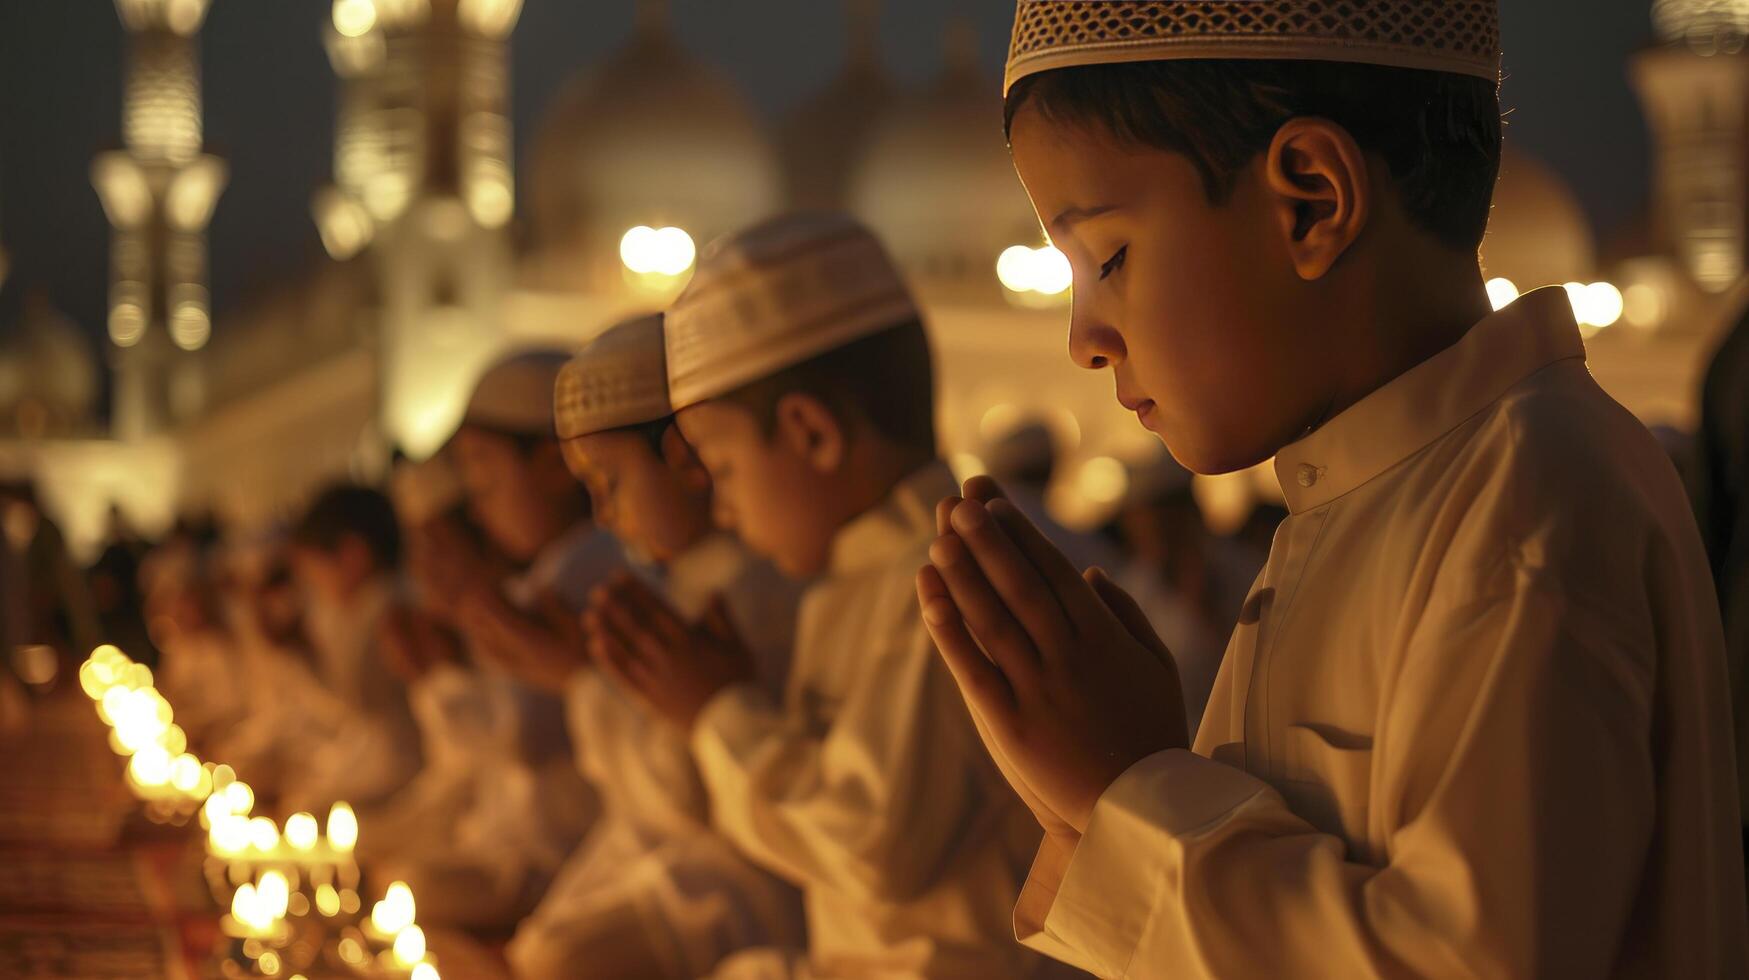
937	183
652	137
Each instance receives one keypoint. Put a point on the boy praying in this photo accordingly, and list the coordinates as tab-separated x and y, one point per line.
653	891
1473	720
801	373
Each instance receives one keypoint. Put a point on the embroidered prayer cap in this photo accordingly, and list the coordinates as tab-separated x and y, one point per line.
1457	36
618	379
423	490
515	395
776	294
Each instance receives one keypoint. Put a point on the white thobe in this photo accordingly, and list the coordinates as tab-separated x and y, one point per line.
867	784
1473	720
652	857
375	751
500	805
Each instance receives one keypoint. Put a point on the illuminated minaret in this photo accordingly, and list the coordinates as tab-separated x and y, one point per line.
1694	85
422	177
159	192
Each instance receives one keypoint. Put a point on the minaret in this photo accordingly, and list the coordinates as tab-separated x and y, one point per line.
1694	85
423	178
158	192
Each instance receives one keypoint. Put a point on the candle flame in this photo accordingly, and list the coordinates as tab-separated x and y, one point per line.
342	827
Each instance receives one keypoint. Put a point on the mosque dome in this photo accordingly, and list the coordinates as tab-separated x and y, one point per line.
1538	234
651	138
937	182
823	140
48	374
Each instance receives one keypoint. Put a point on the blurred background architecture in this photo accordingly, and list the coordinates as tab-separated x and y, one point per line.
446	236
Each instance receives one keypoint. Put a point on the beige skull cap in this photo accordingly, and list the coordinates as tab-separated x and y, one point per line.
618	379
776	294
516	393
1457	36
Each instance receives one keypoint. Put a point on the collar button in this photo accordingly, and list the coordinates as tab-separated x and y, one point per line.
1308	475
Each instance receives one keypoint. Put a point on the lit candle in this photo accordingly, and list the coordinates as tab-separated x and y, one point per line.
185	773
150	767
327	900
425	971
395	912
240	796
274	893
228	835
263	834
301	832
410	946
342	827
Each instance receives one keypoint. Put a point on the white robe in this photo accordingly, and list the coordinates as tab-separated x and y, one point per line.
867	784
375	750
1473	721
652	857
499	806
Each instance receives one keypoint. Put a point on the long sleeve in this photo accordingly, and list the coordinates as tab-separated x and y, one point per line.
1511	785
867	803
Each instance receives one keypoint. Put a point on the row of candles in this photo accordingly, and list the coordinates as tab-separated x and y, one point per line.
274	879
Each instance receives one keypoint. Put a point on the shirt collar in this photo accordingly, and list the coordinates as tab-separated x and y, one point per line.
895	525
1429	400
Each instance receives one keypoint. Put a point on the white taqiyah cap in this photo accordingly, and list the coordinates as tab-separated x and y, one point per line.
618	379
516	394
775	295
1457	36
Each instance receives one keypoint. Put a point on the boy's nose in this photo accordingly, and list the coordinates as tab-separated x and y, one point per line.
1093	343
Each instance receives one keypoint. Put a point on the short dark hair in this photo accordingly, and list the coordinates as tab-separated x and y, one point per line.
344	510
1440	133
885	381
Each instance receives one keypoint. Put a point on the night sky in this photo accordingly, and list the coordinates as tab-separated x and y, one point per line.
270	95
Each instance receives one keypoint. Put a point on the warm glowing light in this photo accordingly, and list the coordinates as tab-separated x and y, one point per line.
410	946
1502	293
657	251
491	203
1597	305
395	912
263	834
274	892
1044	270
269	963
150	766
327	900
223	777
239	795
301	831
342	827
127	324
186	772
354	18
1104	480
1643	305
190	325
228	834
425	971
243	906
343	223
351	950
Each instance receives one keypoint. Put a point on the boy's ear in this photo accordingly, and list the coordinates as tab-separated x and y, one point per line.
1323	192
678	454
812	431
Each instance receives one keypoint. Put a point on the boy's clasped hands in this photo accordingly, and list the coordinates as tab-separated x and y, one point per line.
675	666
1068	683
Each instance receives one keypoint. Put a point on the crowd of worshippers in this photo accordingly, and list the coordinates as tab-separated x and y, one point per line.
688	655
488	655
